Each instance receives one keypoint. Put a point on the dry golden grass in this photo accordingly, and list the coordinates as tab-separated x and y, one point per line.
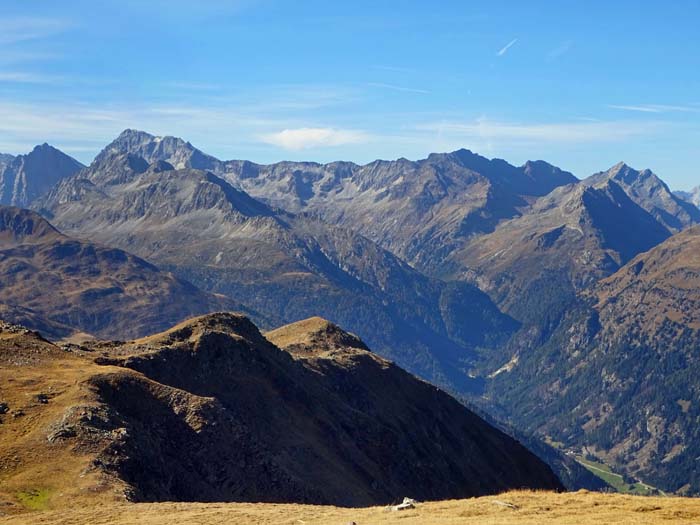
532	508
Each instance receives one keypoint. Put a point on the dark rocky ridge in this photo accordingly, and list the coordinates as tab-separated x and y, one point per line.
211	410
240	399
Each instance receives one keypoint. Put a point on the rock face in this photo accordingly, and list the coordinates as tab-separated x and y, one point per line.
534	265
419	211
27	177
5	159
283	265
692	196
63	286
618	374
652	194
211	410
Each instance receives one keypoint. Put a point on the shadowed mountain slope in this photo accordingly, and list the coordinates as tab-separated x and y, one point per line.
210	410
535	264
652	194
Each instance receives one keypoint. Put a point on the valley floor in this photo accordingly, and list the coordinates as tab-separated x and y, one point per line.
519	507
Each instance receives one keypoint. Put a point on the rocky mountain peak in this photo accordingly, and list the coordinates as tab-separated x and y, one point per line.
651	193
26	177
314	335
174	150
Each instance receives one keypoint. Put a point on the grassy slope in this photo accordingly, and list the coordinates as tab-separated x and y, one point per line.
579	508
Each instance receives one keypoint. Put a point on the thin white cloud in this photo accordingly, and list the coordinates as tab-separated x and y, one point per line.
306	138
558	132
505	48
193	86
395	69
394	87
28	78
561	50
21	29
655	108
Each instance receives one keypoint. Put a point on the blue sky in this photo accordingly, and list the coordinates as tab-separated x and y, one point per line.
580	84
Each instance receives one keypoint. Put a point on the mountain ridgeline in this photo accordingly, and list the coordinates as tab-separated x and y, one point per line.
506	285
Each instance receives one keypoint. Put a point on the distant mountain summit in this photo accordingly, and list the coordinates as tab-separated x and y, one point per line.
27	177
692	196
535	264
173	150
652	194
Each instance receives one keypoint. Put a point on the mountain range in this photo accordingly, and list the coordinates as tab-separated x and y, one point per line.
508	286
283	265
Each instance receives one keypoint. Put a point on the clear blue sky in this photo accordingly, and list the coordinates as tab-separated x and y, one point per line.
580	84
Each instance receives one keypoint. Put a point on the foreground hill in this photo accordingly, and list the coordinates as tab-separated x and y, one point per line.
210	410
283	265
66	287
618	377
511	508
26	177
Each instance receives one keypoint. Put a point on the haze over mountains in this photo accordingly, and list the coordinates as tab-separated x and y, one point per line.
69	288
506	285
26	177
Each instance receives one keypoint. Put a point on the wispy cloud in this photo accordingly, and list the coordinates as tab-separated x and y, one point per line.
394	87
306	138
15	56
21	29
28	78
193	86
557	132
505	48
561	50
655	108
395	69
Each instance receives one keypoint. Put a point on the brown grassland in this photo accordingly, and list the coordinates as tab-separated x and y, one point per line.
46	483
530	508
